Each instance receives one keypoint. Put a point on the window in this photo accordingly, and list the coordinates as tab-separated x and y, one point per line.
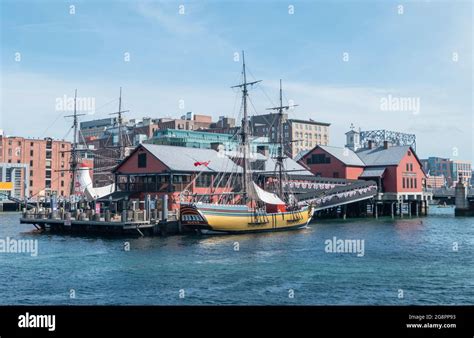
31	172
31	152
408	167
203	181
31	183
142	160
403	182
62	155
62	192
47	184
48	174
335	174
318	159
411	183
62	183
31	163
411	166
48	164
9	152
415	182
32	144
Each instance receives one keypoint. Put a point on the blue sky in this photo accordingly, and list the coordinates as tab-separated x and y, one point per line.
190	57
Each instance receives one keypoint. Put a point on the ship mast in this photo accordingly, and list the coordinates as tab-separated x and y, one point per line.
120	124
245	133
74	157
281	153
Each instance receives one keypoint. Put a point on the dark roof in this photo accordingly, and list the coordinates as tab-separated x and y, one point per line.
381	156
373	172
310	122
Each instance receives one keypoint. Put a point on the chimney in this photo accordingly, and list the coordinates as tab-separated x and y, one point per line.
370	144
385	144
217	146
263	150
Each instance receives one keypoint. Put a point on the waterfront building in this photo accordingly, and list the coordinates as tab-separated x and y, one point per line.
396	169
452	170
44	165
13	180
299	136
163	169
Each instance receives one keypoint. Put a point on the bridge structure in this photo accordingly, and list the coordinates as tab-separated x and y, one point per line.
448	195
324	192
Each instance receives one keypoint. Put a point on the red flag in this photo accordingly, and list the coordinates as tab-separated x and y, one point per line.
196	164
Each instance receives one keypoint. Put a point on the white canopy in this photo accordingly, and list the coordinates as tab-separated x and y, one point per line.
265	196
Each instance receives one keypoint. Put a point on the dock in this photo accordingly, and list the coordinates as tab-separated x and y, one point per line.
128	222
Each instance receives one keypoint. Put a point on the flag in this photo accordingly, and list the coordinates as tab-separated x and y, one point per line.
197	164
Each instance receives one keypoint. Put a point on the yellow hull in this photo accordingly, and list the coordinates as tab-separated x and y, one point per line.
233	221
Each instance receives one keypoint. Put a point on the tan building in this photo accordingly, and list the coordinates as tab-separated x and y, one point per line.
462	170
47	162
190	121
299	136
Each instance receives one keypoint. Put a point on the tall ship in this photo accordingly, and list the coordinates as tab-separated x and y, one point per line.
243	206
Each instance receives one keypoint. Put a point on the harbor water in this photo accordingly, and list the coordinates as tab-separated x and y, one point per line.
427	260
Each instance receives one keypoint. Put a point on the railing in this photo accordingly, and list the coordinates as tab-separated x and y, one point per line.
340	195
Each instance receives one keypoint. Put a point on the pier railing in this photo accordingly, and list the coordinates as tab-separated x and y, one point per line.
339	195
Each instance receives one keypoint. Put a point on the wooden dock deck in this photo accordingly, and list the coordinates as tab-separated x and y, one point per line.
138	228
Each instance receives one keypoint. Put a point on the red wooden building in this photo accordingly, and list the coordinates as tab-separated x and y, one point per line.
396	169
160	169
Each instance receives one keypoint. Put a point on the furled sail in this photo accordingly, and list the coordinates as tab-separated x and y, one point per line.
264	196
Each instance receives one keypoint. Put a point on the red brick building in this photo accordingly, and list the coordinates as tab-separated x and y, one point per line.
47	161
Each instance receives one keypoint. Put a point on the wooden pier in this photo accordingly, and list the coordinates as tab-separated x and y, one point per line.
130	222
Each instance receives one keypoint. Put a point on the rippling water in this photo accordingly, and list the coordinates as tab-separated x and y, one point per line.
414	255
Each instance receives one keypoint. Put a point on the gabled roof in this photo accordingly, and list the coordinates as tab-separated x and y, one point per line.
381	156
345	155
183	158
290	165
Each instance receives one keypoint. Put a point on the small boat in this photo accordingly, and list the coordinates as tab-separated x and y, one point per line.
248	207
